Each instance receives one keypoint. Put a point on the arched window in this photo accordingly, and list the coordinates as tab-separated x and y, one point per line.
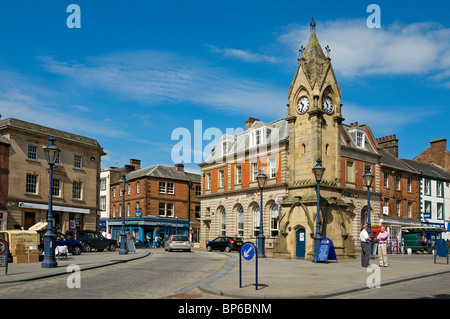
223	223
240	225
274	224
256	221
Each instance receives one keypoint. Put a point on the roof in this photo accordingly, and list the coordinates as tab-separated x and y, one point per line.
163	171
240	143
348	139
391	161
430	170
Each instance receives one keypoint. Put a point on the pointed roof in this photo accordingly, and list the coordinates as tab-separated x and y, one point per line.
313	61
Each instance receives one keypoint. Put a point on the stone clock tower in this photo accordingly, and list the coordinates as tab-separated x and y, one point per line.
314	119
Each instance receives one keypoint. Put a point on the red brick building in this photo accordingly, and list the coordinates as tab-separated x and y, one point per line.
436	153
159	199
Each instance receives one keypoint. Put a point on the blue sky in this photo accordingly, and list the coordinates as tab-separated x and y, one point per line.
137	70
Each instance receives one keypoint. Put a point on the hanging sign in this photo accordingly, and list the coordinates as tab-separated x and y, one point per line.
326	250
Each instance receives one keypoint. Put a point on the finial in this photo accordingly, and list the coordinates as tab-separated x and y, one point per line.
301	51
327	48
312	24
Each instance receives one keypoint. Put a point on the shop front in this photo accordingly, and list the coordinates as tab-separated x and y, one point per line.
145	229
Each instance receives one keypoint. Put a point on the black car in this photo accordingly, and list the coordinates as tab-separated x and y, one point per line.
74	246
224	243
91	239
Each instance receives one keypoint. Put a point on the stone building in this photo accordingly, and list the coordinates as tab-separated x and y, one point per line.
4	172
75	182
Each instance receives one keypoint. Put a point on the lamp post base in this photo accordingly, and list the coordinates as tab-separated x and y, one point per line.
261	241
49	263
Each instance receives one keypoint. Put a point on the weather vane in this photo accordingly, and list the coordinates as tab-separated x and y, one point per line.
312	24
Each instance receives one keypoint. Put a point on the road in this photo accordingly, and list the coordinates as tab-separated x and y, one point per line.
160	275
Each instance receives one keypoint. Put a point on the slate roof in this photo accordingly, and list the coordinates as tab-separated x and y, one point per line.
163	171
431	170
391	161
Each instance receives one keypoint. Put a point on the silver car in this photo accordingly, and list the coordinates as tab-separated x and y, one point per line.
181	242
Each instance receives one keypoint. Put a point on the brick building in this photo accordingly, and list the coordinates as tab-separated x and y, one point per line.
436	153
159	199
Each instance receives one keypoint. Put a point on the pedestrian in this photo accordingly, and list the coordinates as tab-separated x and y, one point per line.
365	247
156	242
130	243
382	247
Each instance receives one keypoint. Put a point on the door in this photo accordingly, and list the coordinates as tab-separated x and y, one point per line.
300	244
29	220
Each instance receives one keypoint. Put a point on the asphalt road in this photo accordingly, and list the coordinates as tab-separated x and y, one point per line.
160	275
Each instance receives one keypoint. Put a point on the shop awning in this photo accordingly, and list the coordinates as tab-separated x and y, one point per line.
38	226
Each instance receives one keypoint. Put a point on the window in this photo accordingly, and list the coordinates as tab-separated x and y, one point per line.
162	209
58	159
56	187
103	184
427	208
258	137
128	209
272	167
426	187
350	172
439	189
129	189
170	210
77	161
198	190
114	210
397	182
32	152
386	180
170	188
208	180
138	187
197	212
254	171
162	187
102	202
440	211
31	184
409	184
223	223
240	225
114	192
166	209
238	174
274	213
221	178
398	208
256	221
409	209
77	189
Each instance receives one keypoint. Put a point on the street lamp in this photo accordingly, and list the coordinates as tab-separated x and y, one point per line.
52	153
368	180
123	241
318	174
261	240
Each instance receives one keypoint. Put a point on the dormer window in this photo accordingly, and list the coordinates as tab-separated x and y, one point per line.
227	144
259	136
358	137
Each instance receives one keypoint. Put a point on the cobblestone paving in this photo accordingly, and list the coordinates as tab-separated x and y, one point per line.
161	275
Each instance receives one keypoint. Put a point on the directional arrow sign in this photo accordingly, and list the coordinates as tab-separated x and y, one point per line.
248	251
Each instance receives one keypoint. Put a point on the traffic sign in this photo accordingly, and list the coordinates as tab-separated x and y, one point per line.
248	251
4	252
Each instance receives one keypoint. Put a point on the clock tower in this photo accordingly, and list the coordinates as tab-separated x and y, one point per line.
314	119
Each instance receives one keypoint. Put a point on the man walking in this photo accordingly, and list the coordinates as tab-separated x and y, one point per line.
365	247
382	250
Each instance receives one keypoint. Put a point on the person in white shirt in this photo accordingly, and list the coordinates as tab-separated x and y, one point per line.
365	247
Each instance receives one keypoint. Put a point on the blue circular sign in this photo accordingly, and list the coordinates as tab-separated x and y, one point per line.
248	251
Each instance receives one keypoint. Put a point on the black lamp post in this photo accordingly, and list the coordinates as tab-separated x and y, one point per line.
51	155
318	174
261	240
123	240
368	180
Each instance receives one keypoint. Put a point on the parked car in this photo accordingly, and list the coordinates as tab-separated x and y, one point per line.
224	243
176	242
91	239
74	246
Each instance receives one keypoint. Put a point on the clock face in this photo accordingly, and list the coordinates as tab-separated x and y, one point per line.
327	105
303	105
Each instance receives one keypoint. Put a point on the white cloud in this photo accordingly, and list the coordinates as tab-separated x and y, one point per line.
153	77
244	55
396	49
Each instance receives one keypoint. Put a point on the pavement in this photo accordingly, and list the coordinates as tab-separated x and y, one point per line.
277	278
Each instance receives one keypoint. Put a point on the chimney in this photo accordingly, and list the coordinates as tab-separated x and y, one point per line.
389	143
250	122
136	163
180	167
439	145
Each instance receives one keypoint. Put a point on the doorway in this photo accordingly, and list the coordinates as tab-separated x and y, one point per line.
300	244
29	220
